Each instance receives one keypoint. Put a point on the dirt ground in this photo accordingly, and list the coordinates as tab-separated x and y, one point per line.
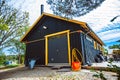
47	73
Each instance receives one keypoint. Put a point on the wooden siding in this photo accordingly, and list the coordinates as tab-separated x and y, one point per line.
53	26
35	39
35	51
42	20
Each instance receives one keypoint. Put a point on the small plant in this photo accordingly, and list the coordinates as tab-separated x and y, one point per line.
111	67
114	68
99	74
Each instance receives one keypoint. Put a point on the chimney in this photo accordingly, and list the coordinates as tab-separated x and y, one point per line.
42	8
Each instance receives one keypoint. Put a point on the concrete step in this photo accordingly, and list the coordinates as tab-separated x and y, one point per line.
59	65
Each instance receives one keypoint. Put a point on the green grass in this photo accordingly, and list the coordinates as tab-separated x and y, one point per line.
10	66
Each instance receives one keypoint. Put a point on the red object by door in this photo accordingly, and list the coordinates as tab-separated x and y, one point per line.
76	66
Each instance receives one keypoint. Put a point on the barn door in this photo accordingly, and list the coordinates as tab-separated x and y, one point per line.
58	48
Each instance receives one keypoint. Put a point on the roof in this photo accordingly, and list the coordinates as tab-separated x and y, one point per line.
83	24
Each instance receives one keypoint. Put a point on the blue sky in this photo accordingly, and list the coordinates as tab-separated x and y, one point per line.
98	19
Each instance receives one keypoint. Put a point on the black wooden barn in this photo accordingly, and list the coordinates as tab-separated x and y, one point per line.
51	40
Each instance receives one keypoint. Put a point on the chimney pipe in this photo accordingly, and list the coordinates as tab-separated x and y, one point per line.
42	8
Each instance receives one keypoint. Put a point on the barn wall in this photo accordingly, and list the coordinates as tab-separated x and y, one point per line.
37	49
86	47
88	50
53	26
75	42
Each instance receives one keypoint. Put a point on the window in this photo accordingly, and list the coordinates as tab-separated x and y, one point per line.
98	46
89	39
95	45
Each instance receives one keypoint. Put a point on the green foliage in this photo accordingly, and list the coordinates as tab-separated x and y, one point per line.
13	58
73	8
105	52
3	27
13	24
111	67
22	59
115	46
114	68
17	48
99	74
12	66
2	58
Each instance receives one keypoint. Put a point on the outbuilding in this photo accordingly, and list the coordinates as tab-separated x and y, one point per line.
51	39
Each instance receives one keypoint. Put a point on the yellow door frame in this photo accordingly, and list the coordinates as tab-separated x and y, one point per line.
54	34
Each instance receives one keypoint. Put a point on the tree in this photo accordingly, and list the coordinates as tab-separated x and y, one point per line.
2	58
73	8
17	48
13	23
115	46
105	52
118	41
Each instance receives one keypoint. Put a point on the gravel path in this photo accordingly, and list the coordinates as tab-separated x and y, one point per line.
46	73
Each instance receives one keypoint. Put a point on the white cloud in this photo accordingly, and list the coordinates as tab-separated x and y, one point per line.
108	35
101	16
99	19
34	8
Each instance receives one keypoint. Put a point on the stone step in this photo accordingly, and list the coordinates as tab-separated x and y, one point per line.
59	65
